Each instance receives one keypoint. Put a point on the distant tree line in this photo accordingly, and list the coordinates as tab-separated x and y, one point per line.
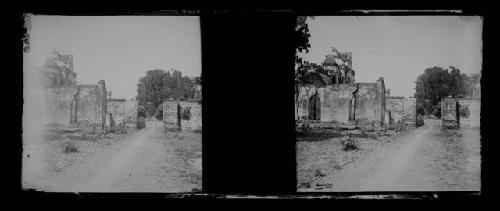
438	82
159	85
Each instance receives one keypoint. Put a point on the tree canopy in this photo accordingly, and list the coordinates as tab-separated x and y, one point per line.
438	82
158	85
302	44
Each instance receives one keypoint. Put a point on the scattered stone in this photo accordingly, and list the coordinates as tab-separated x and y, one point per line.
304	185
320	186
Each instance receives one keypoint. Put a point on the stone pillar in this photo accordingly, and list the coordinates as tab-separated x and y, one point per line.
381	100
102	94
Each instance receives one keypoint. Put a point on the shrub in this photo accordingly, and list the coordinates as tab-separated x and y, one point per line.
70	148
349	144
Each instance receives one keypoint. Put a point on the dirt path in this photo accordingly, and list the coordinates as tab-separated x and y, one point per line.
423	160
147	160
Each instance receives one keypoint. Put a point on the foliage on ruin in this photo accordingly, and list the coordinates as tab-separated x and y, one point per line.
438	82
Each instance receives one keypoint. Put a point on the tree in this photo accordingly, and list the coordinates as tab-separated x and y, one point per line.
436	83
302	44
159	85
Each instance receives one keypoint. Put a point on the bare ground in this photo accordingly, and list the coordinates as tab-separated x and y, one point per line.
147	160
423	159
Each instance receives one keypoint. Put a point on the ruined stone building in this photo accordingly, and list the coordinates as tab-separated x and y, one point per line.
83	107
332	98
79	106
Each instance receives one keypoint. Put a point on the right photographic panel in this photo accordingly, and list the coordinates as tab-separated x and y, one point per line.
388	103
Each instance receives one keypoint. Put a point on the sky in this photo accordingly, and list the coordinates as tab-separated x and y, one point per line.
119	49
399	48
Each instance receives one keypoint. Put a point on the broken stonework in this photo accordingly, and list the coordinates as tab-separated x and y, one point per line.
401	110
80	106
361	103
124	112
182	115
460	112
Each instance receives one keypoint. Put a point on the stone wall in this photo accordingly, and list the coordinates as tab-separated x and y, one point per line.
470	112
182	115
401	109
57	105
81	106
122	111
171	115
343	103
193	120
449	113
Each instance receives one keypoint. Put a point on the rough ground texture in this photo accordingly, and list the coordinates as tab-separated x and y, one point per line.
147	160
423	159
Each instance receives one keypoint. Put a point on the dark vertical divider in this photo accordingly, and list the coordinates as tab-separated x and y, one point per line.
248	89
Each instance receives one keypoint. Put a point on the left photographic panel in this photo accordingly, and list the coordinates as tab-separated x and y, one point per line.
112	104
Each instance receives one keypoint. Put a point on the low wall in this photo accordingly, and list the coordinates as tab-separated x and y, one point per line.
470	112
182	115
123	111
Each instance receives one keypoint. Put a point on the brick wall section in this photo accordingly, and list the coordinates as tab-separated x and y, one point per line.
365	101
448	112
401	109
470	112
123	111
335	102
59	107
56	105
171	118
194	122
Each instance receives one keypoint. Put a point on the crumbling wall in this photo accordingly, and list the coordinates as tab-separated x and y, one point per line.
182	115
91	108
410	111
335	101
56	106
470	112
449	116
171	115
343	103
190	115
123	111
394	106
82	106
401	109
366	102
